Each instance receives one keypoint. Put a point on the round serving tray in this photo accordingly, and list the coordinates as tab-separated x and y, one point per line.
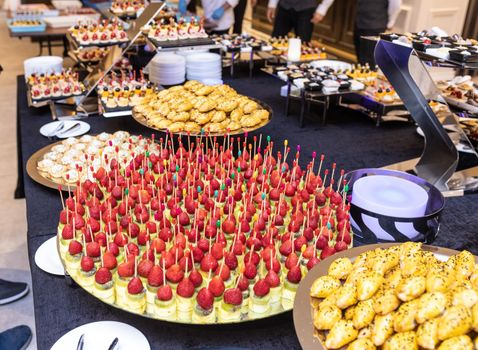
73	277
142	120
308	337
35	175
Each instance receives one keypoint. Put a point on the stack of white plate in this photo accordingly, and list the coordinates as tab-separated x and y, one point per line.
186	53
167	69
42	65
204	65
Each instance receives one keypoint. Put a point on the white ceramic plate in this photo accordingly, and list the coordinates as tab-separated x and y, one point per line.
47	259
99	335
47	129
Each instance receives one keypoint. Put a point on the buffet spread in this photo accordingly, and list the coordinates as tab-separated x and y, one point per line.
208	225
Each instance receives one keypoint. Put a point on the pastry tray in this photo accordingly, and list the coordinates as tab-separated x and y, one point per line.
308	337
77	45
44	101
168	44
114	112
35	174
142	120
26	29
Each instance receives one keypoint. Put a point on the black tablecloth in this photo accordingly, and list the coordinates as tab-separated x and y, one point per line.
349	139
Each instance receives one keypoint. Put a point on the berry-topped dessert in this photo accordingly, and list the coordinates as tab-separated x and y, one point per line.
123	89
77	159
54	85
203	233
91	54
168	29
127	8
103	33
197	108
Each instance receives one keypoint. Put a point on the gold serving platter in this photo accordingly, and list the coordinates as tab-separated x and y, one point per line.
35	175
154	317
308	337
142	120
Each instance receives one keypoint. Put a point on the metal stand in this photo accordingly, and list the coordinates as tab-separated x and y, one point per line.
85	106
439	160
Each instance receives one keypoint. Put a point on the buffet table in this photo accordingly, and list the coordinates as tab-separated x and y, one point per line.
50	35
350	139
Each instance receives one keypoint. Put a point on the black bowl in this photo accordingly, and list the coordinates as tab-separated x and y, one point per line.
426	226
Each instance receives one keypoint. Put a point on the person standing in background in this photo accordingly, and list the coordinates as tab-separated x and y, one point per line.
192	6
372	18
219	12
239	12
299	15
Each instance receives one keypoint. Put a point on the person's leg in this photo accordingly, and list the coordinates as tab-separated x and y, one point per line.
239	12
303	26
219	32
192	6
17	338
357	34
282	23
366	48
12	291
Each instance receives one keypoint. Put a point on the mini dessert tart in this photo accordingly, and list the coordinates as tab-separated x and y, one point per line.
86	274
123	102
185	300
136	296
259	301
103	286
57	171
165	303
111	102
231	305
204	312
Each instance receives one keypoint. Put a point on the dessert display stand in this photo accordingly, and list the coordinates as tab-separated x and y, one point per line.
355	100
238	56
86	105
183	45
405	70
360	100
